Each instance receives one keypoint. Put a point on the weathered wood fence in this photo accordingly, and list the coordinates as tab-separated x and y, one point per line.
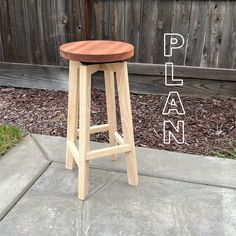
32	30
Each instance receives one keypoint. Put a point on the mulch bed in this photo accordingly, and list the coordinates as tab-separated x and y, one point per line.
210	123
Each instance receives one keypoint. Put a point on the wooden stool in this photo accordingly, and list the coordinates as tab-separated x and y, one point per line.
87	57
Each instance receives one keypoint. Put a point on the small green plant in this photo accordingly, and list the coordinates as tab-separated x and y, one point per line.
9	136
229	154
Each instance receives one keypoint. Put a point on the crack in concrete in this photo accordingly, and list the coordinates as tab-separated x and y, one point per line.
103	186
34	180
40	148
82	219
22	194
167	178
108	182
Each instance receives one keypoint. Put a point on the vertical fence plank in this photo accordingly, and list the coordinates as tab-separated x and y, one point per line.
41	42
101	25
117	20
87	18
163	25
49	29
180	25
197	29
132	25
106	15
76	22
34	31
97	27
52	29
147	30
27	31
6	32
61	29
213	35
232	50
1	49
20	31
227	55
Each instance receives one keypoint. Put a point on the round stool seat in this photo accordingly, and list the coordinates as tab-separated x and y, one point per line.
97	51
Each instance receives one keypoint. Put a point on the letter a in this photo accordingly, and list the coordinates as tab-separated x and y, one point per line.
173	104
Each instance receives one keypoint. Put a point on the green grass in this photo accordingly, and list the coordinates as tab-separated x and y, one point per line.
9	136
229	154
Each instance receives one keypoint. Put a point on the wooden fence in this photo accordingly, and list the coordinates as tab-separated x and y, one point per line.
32	30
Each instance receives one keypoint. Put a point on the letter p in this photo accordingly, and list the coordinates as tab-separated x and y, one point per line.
175	40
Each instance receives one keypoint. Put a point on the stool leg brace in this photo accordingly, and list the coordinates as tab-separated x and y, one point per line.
80	90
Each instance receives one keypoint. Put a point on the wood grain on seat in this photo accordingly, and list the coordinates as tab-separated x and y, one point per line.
97	51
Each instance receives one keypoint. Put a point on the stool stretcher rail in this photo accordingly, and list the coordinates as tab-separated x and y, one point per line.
98	153
108	151
97	129
74	151
118	138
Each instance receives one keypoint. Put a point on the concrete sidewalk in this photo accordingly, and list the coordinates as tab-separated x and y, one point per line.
178	194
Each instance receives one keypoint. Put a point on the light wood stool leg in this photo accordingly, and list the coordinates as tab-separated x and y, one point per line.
111	107
73	106
80	90
84	131
126	121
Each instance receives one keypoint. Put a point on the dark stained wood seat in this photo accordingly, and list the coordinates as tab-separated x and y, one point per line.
97	51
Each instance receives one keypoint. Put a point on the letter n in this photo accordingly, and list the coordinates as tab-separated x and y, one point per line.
179	129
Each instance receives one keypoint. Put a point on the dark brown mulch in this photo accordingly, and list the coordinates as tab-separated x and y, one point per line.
210	123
